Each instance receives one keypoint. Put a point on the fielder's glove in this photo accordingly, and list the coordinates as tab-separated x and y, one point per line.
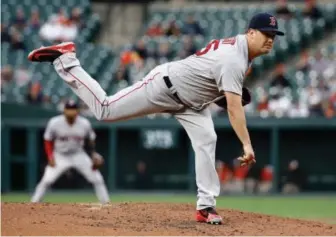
97	160
246	99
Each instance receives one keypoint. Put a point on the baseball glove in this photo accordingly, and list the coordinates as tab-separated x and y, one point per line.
97	160
246	99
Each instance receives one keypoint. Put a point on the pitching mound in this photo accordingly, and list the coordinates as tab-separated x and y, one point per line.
144	219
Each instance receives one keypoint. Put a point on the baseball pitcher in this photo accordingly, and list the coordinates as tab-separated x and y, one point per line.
64	140
184	88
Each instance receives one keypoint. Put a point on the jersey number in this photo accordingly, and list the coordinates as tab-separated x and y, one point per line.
215	44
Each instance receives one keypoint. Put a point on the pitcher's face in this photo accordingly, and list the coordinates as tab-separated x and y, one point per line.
262	42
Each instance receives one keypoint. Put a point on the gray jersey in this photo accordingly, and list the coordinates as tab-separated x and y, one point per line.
203	77
68	138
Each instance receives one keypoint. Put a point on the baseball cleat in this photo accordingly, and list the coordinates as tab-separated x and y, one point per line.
50	53
209	215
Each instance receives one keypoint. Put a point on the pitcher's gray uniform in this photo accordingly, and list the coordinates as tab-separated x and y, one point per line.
198	81
184	88
68	141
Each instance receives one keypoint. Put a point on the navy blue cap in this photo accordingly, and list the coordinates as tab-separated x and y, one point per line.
71	104
265	22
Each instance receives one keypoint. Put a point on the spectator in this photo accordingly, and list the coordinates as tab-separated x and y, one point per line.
192	27
315	102
266	179
137	71
34	21
59	28
298	110
69	31
61	17
22	76
282	9
35	95
17	42
330	111
140	49
294	178
311	10
6	76
280	79
303	63
128	56
279	103
51	30
164	51
154	29
19	21
76	17
143	180
5	37
173	29
122	74
262	106
321	63
188	47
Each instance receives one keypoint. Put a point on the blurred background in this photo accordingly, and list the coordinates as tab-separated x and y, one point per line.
292	118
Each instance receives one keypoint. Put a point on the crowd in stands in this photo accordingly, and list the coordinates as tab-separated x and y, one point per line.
315	97
22	77
136	61
235	179
310	10
288	95
58	28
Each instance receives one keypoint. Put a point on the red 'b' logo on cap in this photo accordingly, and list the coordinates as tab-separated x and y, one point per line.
272	21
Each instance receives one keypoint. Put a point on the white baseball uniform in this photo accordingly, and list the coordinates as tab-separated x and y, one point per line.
193	83
69	153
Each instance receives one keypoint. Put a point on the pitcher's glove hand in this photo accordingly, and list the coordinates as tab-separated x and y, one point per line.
246	99
97	160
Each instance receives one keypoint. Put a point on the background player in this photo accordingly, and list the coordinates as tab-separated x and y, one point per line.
64	140
185	88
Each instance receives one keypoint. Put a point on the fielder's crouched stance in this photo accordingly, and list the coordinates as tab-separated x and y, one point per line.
184	88
64	139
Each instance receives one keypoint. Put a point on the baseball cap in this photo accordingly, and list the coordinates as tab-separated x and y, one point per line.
265	22
71	104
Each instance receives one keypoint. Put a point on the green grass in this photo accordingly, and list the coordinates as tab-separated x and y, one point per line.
306	207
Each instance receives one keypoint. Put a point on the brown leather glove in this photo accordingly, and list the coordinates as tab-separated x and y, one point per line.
97	160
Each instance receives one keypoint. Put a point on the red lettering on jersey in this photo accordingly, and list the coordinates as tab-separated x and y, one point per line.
214	44
208	47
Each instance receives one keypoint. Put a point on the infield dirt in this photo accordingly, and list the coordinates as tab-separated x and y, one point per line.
144	219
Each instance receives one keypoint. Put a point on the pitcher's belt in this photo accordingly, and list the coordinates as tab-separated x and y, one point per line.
173	90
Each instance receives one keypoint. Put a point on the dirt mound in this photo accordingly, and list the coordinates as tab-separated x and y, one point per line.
144	219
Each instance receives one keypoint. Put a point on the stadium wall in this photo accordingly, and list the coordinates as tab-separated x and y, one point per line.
165	147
